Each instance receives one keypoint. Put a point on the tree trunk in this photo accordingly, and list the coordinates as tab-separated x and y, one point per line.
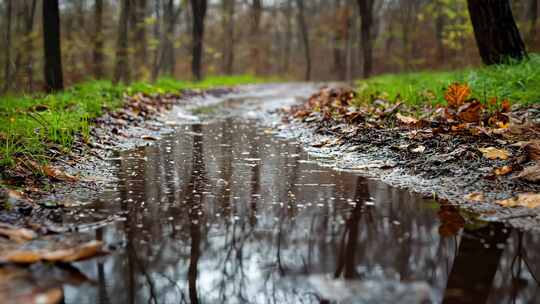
121	70
51	39
439	31
305	37
140	9
255	50
366	15
533	19
497	35
168	58
30	12
97	53
341	23
158	36
288	37
7	68
228	41
199	13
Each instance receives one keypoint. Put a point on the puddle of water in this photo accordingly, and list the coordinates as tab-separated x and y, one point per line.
225	213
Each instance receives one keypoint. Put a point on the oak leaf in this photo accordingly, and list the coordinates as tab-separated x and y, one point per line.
529	200
470	111
456	94
494	153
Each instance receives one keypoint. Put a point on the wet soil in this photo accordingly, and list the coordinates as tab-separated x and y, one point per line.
223	210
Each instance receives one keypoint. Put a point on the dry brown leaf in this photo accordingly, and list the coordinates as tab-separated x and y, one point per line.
456	94
494	153
470	111
406	119
81	252
149	137
59	175
533	149
529	200
17	234
475	197
503	170
531	173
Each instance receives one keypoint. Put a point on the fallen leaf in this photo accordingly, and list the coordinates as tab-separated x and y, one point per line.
503	170
59	175
17	234
533	149
470	111
81	252
406	119
529	200
494	153
149	137
419	149
475	197
531	173
505	106
456	94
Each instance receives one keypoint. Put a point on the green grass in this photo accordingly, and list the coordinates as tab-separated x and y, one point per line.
31	124
518	82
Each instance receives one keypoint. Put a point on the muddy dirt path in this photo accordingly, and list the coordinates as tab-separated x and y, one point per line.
222	210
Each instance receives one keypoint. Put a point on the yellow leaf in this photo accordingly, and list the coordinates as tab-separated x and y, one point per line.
529	200
503	170
475	197
406	119
494	153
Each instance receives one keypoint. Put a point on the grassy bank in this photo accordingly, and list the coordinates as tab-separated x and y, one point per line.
519	83
29	125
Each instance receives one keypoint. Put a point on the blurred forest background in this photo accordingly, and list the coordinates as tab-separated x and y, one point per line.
131	40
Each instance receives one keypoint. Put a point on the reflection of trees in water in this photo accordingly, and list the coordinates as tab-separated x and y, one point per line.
247	256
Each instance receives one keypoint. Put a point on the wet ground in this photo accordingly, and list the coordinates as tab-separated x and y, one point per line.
224	211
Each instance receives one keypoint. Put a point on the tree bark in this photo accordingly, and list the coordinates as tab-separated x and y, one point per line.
199	13
140	9
305	37
341	27
533	19
288	37
97	53
7	68
228	41
366	28
121	70
255	50
168	58
51	39
497	35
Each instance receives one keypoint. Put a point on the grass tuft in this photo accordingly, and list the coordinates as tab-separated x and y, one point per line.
31	124
517	82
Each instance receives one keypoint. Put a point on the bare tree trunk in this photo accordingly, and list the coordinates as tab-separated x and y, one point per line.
497	35
97	54
51	39
199	13
439	31
288	37
305	37
533	19
366	15
228	41
140	9
168	58
28	61
7	68
255	51
157	36
341	23
121	70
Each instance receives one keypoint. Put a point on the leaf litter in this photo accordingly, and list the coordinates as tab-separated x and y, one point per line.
490	142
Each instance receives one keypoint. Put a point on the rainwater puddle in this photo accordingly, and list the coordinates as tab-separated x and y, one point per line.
223	212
